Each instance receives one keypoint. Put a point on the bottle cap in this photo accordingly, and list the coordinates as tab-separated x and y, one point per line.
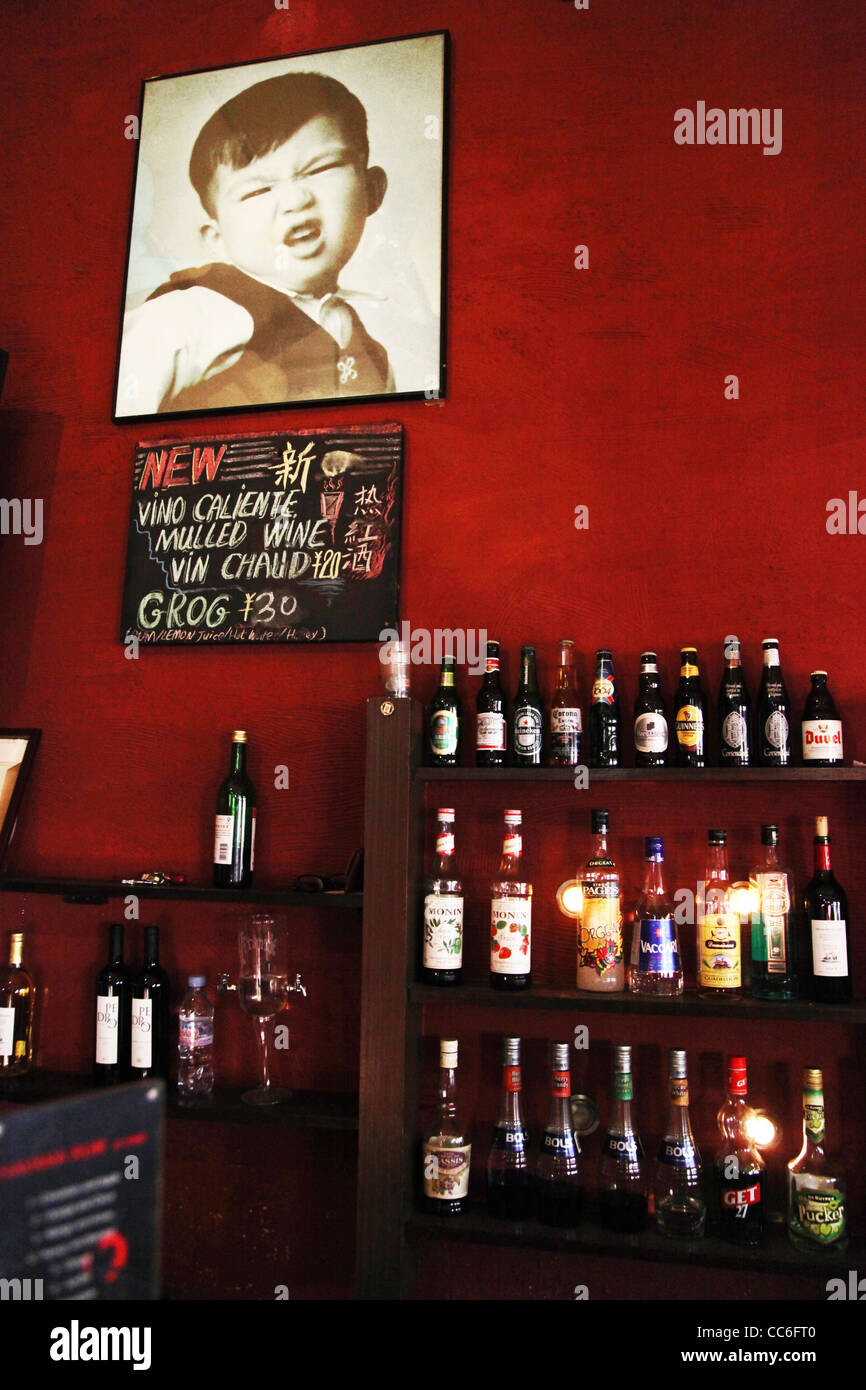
513	817
559	1056
492	648
819	673
511	1052
717	837
448	1052
737	1075
622	1057
649	659
770	642
684	650
769	834
445	813
603	654
822	827
196	981
677	1064
813	1079
527	651
239	736
653	848
566	642
600	822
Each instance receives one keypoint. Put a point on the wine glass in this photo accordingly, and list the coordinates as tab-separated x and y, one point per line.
263	989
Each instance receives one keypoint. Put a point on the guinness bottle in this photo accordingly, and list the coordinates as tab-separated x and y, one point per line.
774	711
690	731
735	712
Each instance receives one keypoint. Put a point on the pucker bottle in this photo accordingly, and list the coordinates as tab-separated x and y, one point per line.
491	726
511	914
599	929
509	1193
679	1200
447	1150
739	1169
655	966
442	949
622	1179
719	958
817	1216
559	1186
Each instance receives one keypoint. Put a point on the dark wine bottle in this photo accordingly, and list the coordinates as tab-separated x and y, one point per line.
149	1040
235	830
826	907
113	1014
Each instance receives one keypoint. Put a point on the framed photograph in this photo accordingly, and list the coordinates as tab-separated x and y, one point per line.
287	240
17	751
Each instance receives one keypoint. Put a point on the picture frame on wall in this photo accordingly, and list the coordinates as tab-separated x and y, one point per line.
17	751
287	233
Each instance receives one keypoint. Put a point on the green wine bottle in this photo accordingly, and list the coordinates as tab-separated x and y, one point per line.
235	830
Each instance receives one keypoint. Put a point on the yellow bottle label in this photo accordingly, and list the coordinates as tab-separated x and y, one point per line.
599	939
719	960
690	725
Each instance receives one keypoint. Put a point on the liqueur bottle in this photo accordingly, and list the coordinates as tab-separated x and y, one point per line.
149	1035
650	724
491	724
604	714
655	966
113	1014
735	712
511	914
509	1192
826	911
599	929
774	711
774	965
719	957
558	1182
690	709
17	1005
442	948
528	719
565	718
679	1200
822	727
817	1216
444	719
622	1178
235	828
739	1168
447	1149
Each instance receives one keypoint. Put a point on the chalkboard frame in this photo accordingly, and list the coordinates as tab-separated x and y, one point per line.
7	827
385	615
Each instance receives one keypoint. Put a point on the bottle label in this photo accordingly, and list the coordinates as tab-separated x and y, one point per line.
560	1084
822	738
813	1117
742	1201
735	732
679	1088
446	1171
658	948
443	931
776	730
223	836
771	937
527	730
719	965
599	935
603	691
510	1137
443	732
688	670
623	1086
651	733
7	1032
491	664
679	1153
510	936
560	1144
565	720
829	948
625	1147
820	1212
195	1032
107	1017
490	733
445	842
690	726
141	1040
511	1078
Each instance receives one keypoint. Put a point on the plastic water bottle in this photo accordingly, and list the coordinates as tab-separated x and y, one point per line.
195	1041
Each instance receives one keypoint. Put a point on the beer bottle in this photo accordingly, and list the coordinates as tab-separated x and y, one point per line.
650	724
444	719
490	720
690	731
604	714
528	715
565	722
735	711
822	727
774	711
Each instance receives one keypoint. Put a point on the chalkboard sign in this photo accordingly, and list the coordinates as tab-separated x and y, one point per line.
289	537
80	1186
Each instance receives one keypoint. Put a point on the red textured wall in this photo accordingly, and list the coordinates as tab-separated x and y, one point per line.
602	387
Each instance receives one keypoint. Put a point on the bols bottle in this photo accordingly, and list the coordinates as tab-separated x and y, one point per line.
679	1200
528	720
622	1179
491	725
735	712
774	711
690	708
559	1186
509	1193
565	721
650	724
738	1169
604	714
444	719
822	727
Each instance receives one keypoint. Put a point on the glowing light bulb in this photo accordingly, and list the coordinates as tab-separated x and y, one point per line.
569	898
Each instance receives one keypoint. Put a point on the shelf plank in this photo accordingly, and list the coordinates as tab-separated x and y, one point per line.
643	774
775	1256
688	1005
86	891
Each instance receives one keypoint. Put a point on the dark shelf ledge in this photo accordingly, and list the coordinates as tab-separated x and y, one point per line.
688	1005
306	1109
776	1255
96	891
642	774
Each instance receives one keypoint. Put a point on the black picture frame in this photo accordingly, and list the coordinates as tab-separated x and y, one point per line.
14	772
238	343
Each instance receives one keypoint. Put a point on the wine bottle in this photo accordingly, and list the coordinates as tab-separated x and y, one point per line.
559	1183
509	1193
113	1014
622	1179
447	1150
235	829
442	948
149	1037
826	908
17	1004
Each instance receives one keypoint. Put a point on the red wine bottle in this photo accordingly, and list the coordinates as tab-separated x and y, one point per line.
149	1042
113	1014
